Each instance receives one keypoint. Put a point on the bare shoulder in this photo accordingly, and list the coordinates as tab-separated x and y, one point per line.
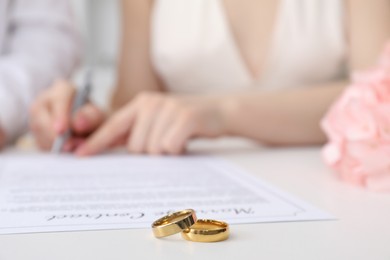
137	2
139	8
136	18
135	71
368	24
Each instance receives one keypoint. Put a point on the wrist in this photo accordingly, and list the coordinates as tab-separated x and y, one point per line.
242	113
230	108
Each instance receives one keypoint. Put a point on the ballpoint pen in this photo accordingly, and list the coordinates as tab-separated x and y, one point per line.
81	99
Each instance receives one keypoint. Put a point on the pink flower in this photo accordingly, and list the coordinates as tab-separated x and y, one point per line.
358	128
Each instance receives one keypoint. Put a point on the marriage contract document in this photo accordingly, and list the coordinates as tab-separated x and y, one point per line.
51	193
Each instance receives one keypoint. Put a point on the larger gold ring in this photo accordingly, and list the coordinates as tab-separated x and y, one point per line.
174	223
206	230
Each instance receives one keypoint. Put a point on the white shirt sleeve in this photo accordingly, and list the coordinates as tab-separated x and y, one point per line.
41	45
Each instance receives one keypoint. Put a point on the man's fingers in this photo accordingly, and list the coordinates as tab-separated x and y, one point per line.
2	137
61	105
43	130
87	119
113	130
73	143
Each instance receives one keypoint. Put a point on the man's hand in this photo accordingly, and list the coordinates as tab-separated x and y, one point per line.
2	138
51	115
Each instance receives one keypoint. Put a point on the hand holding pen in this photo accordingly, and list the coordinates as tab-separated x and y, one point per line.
55	113
80	99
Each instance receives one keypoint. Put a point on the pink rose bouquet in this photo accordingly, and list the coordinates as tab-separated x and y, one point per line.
358	128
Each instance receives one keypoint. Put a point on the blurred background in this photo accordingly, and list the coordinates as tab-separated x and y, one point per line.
99	22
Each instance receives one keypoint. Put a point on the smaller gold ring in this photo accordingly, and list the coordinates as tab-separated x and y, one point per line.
206	230
174	223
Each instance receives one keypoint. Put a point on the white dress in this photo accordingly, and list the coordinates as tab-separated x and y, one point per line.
193	49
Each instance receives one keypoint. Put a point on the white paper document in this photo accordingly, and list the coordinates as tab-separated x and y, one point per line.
48	193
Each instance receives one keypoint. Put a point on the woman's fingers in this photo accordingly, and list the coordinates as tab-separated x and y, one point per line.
179	133
160	128
161	125
147	111
152	123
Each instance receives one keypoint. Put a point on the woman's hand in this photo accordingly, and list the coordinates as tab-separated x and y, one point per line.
157	123
51	116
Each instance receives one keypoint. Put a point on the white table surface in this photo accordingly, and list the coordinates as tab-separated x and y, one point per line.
362	230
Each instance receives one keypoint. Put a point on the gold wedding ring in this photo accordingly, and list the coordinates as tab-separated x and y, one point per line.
206	230
174	223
